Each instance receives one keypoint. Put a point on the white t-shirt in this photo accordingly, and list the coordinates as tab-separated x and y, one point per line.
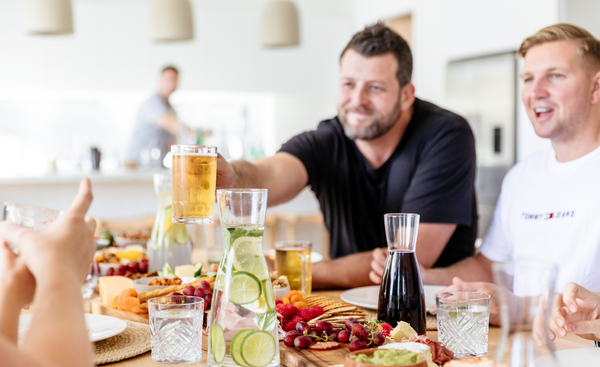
550	212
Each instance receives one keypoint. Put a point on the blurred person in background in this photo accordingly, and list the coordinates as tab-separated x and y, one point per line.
52	264
385	152
548	208
156	126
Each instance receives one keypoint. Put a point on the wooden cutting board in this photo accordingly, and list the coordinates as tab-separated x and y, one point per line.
99	308
308	357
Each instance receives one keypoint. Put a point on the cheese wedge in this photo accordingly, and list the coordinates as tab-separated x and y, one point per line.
401	331
110	287
421	349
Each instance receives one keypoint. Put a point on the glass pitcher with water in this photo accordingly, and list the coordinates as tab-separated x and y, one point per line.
243	320
170	241
401	296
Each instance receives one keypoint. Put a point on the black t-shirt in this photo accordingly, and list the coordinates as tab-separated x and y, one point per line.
431	172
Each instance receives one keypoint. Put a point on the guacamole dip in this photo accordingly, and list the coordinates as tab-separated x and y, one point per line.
388	357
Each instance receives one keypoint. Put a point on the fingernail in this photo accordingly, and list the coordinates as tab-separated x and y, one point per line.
560	322
561	332
551	336
570	327
572	308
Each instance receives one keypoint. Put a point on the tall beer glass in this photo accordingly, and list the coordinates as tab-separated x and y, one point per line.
194	183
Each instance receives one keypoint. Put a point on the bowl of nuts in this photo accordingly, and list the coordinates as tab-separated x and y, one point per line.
280	283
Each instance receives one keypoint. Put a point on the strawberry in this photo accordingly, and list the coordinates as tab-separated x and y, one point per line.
384	328
297	319
287	311
306	314
289	326
316	311
277	303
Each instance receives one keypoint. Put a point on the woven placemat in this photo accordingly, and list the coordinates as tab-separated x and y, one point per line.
133	341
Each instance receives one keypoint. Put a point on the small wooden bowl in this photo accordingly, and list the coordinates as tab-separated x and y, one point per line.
350	363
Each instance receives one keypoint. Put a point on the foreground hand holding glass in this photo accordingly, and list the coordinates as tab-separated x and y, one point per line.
243	321
37	218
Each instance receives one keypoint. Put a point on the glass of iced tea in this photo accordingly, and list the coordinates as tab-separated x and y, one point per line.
292	259
194	183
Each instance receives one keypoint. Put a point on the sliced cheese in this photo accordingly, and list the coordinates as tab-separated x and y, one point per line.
401	331
469	362
110	287
421	349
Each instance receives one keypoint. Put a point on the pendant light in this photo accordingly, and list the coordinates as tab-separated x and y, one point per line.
280	26
171	20
49	16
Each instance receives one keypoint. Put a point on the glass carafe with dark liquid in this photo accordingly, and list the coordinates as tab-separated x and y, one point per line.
401	296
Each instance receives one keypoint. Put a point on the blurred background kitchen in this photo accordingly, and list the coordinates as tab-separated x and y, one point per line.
242	86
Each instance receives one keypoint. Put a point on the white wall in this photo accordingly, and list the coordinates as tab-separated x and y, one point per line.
111	51
445	30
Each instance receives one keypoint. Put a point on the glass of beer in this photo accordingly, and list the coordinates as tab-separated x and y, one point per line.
194	183
292	259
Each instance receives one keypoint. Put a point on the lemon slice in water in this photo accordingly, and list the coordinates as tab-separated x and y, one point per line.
258	348
248	256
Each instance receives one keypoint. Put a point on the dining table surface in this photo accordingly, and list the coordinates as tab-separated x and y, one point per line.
569	342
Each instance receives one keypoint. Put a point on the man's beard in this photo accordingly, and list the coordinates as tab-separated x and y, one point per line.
381	123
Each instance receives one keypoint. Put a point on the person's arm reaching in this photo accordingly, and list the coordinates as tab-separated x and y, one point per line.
476	268
283	175
355	270
170	123
59	257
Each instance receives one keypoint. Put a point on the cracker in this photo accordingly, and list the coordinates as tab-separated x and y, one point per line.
341	309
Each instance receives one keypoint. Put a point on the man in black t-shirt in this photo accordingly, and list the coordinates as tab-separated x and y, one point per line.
385	152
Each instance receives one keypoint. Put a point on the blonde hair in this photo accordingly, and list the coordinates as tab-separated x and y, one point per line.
589	46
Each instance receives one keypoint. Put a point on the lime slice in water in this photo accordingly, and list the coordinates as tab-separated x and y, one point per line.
218	343
235	347
244	288
268	292
258	348
248	256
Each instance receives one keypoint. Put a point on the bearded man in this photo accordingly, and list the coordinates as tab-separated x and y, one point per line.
385	152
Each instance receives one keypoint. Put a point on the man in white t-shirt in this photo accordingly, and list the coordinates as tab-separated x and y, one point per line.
549	207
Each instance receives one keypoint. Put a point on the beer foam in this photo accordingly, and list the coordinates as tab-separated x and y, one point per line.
196	154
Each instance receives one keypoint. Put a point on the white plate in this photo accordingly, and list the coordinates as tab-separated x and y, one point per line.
315	257
100	327
574	357
368	297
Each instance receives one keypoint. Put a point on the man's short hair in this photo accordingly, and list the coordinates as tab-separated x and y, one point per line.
378	39
169	67
589	46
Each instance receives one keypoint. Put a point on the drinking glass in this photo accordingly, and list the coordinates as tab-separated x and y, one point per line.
292	259
37	218
243	320
194	183
176	329
401	296
463	322
29	216
525	293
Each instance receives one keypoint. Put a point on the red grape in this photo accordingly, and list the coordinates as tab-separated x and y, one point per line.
175	294
144	268
357	344
302	342
133	266
343	336
122	268
378	339
293	332
323	326
208	299
110	272
198	292
302	327
189	290
205	286
289	340
360	332
349	322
